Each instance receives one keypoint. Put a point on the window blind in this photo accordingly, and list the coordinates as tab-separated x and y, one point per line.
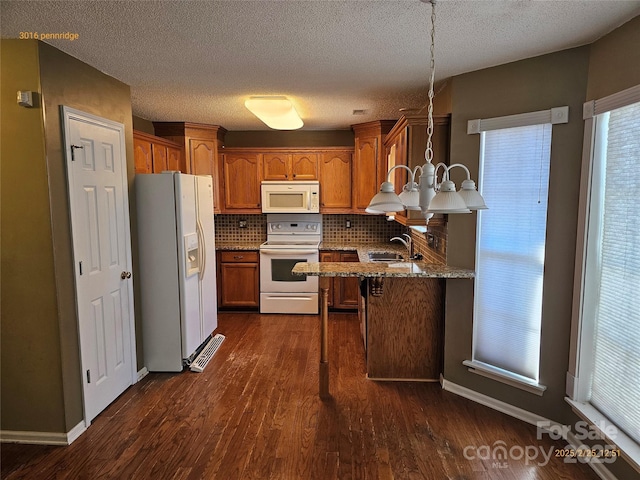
510	248
615	261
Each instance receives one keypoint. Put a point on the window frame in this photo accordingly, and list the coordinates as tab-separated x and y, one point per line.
477	126
582	328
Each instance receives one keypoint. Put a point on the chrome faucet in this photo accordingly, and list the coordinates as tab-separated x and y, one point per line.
408	243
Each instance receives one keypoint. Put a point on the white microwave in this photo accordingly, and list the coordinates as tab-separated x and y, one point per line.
290	197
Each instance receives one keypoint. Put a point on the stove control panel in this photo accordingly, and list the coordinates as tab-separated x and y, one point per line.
293	228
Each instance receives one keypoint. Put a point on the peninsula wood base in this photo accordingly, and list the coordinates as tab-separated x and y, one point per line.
405	329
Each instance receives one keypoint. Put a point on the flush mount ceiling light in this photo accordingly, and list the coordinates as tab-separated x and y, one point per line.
276	112
429	196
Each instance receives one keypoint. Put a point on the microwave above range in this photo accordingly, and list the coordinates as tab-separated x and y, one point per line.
290	197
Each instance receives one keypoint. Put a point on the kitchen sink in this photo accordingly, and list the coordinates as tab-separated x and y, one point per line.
385	257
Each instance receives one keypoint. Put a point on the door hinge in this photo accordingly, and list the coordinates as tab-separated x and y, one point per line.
80	267
88	376
73	148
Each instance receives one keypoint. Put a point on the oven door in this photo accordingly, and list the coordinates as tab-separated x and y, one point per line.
275	270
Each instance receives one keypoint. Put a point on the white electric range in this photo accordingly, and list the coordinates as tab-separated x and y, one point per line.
291	238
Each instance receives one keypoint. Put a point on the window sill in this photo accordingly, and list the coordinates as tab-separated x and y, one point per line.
508	378
628	447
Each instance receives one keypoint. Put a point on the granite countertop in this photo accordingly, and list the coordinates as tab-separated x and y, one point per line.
367	268
364	268
249	245
363	248
380	269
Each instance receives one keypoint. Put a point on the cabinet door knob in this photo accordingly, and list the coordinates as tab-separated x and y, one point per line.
238	257
294	175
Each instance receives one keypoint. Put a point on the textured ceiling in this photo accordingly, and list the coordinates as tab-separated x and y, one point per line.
198	61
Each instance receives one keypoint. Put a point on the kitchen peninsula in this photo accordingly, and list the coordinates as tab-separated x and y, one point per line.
402	310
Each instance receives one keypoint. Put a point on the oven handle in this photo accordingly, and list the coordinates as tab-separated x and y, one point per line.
287	253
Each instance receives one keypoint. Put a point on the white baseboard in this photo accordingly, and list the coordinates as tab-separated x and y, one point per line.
491	402
532	418
76	431
42	438
143	372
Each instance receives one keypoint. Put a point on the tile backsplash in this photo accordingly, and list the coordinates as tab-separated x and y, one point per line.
228	229
437	251
363	228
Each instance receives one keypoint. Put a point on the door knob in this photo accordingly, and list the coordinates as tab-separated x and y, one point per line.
125	275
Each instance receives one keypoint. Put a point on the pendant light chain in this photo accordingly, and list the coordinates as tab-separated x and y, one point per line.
428	154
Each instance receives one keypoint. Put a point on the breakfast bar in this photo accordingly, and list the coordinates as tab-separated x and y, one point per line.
403	307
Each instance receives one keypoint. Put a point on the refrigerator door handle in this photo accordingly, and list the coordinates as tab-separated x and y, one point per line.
202	251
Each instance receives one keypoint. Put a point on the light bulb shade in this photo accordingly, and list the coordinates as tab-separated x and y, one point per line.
447	200
410	196
471	197
276	112
385	201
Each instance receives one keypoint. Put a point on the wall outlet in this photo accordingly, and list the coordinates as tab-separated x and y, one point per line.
347	224
242	224
432	240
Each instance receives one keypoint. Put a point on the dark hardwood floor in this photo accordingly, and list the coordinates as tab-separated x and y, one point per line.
254	413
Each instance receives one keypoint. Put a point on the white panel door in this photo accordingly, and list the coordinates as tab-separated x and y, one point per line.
96	167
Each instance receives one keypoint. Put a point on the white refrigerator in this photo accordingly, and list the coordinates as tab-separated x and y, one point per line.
177	267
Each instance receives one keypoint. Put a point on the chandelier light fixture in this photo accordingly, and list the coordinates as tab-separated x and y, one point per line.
430	196
276	112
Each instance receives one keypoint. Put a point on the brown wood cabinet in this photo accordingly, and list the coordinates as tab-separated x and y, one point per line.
201	144
405	145
241	176
369	161
238	279
244	168
347	289
344	292
155	154
335	181
142	155
328	257
287	165
405	329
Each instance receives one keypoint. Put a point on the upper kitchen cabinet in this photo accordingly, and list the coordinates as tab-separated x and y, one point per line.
405	145
290	165
201	143
335	181
154	154
369	167
241	175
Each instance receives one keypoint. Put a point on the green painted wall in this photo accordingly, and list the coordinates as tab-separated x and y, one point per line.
534	84
32	393
41	375
569	77
304	138
614	63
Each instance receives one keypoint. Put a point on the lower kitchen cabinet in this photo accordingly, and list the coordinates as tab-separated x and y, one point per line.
344	292
238	279
404	328
328	257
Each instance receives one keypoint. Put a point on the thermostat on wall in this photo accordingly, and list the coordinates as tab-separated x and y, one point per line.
25	98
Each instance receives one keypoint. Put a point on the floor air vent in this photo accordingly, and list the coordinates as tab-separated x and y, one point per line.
207	353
